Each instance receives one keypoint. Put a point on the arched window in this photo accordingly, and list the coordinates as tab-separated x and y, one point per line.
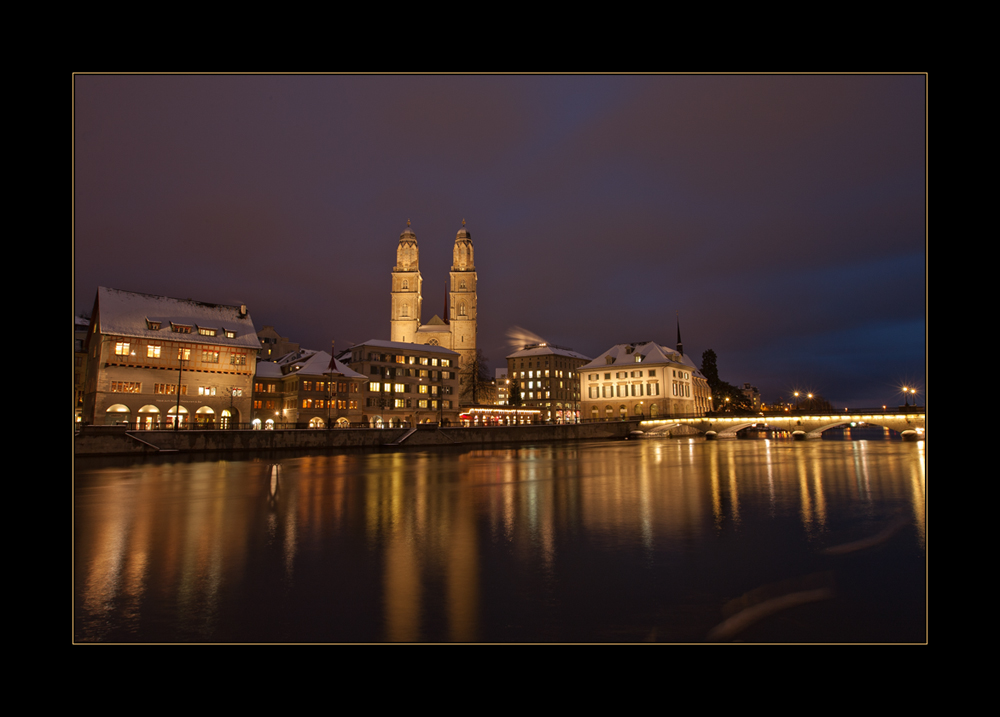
404	311
406	285
461	308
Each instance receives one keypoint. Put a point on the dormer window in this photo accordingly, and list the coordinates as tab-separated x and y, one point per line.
180	328
610	359
152	325
230	334
638	358
206	332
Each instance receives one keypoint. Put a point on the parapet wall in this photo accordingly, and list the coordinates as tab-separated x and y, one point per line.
116	440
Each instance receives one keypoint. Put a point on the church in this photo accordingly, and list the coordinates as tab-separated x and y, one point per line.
457	329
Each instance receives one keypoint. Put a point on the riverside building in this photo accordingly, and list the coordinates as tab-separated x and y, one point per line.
642	380
547	380
407	383
153	361
306	389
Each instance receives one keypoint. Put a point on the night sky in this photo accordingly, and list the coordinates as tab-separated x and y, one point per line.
781	217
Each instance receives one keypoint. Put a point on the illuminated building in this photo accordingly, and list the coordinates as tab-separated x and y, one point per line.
407	383
642	380
306	389
457	329
151	358
547	377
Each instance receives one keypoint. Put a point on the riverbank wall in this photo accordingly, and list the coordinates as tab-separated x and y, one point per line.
118	441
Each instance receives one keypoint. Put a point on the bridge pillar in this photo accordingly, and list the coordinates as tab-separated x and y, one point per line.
799	435
711	435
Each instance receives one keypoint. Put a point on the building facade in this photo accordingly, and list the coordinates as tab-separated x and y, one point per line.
81	327
457	329
548	380
642	380
407	383
273	345
153	361
306	389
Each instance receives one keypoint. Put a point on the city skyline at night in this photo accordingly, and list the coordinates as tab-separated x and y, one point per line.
782	218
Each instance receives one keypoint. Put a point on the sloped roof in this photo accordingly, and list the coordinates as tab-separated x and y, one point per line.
377	343
305	362
651	352
547	350
126	313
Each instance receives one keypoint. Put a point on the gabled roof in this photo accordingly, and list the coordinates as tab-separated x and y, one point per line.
305	362
126	313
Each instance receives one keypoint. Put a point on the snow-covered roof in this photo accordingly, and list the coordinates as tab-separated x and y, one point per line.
377	343
651	352
305	362
547	350
126	313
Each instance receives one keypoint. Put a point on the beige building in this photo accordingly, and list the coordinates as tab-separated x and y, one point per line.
457	329
406	383
548	381
642	380
153	358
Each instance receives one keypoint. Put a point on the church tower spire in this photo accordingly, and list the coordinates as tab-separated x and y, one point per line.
406	288
463	302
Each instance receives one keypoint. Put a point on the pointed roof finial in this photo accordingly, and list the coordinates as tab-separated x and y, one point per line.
407	222
463	221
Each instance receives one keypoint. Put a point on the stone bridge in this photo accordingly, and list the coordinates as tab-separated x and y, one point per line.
909	424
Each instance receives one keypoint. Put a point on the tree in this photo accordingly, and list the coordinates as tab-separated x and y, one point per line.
710	368
721	391
477	387
514	397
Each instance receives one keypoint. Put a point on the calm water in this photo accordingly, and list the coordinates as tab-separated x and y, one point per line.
601	541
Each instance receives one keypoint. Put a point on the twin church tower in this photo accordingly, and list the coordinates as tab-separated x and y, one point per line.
457	330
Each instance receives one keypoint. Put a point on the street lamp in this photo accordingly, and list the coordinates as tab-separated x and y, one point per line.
180	371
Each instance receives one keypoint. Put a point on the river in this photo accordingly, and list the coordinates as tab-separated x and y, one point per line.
672	540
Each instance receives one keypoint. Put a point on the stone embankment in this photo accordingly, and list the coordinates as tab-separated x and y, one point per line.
117	440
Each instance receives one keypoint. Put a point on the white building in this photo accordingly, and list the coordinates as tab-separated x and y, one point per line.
152	358
642	380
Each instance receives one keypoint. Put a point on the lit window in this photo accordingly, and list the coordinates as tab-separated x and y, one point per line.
206	332
152	351
183	354
121	348
209	356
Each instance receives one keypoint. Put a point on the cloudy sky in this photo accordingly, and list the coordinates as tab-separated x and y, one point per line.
782	218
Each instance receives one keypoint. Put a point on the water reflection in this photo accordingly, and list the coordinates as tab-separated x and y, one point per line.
564	542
